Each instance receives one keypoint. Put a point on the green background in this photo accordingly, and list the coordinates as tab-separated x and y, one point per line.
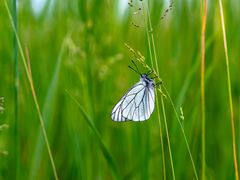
78	46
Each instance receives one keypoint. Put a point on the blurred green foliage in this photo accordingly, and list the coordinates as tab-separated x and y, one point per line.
78	46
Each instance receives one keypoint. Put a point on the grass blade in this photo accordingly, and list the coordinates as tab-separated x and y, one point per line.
102	145
184	135
28	72
47	109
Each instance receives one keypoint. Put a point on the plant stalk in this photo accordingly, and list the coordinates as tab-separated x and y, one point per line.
229	92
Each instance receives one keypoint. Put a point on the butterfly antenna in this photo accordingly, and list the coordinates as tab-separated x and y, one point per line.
134	70
136	67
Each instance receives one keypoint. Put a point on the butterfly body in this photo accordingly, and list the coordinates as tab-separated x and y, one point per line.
145	79
138	103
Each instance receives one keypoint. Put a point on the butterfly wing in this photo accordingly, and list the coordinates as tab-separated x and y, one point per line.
136	105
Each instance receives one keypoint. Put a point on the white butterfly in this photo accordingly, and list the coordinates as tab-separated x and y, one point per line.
138	103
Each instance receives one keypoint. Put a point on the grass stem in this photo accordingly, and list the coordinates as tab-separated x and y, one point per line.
168	139
203	31
182	129
164	114
16	93
157	102
229	92
29	76
153	57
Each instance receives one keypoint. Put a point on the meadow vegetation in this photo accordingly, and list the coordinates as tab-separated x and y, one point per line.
64	67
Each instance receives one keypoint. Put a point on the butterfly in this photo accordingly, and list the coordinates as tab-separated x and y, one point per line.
138	102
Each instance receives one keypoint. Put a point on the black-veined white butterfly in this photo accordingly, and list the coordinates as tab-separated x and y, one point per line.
138	103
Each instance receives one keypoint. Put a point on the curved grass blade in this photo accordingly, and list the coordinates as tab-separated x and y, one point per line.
108	156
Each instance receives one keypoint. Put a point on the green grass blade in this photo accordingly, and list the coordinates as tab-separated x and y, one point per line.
29	76
47	114
108	156
184	135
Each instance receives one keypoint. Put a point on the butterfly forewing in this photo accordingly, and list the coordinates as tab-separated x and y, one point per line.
137	104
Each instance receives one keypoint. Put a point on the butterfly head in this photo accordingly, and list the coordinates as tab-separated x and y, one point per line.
147	80
144	77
